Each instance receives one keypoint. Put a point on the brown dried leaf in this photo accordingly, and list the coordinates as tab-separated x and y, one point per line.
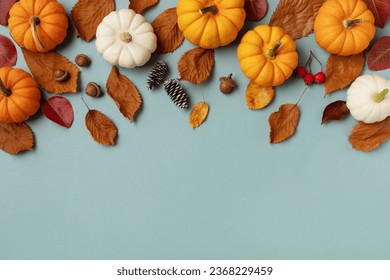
258	97
102	129
169	36
195	65
335	111
141	5
283	123
199	114
296	17
43	65
88	14
342	71
124	93
15	137
367	137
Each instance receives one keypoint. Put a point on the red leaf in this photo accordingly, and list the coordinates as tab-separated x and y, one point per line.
379	54
255	9
5	6
335	111
59	110
380	9
8	54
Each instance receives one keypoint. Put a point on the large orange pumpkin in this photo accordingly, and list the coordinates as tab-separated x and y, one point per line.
19	95
210	23
38	25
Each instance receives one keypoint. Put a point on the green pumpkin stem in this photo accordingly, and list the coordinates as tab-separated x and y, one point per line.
125	37
272	52
349	23
34	21
210	9
379	97
5	91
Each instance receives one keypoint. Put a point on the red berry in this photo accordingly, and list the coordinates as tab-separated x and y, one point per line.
308	78
319	78
300	71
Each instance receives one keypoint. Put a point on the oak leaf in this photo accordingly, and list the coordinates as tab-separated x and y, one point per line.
335	111
195	65
366	137
88	14
15	137
199	114
59	110
141	5
102	129
283	123
341	71
380	9
8	54
5	6
255	9
379	54
43	65
258	97
124	93
169	36
296	17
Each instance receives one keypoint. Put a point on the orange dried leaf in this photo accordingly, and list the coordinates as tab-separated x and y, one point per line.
88	14
169	36
195	65
367	137
43	65
199	114
124	93
15	137
258	97
141	5
283	123
102	129
341	71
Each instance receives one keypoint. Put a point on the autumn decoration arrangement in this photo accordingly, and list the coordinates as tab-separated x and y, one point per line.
267	56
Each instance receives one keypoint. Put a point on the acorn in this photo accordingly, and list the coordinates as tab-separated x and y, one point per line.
93	89
82	60
60	75
227	84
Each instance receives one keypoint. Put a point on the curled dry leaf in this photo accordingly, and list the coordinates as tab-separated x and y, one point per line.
283	123
124	93
43	66
59	110
255	9
5	6
367	137
199	114
341	71
169	36
88	14
141	5
8	54
15	137
195	65
102	129
258	97
296	17
380	9
379	54
336	111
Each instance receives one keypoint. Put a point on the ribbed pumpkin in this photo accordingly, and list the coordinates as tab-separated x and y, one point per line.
267	55
344	27
210	23
38	25
19	95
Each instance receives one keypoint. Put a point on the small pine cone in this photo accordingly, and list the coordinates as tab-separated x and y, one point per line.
157	75
176	93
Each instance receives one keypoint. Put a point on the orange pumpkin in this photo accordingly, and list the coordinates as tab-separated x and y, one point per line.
19	95
38	25
210	23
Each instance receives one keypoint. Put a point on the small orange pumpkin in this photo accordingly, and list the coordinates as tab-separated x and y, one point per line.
344	27
38	25
19	95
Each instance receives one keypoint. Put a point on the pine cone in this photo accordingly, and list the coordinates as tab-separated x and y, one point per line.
176	93
157	75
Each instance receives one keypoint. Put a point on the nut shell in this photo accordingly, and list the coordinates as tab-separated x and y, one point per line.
82	60
60	75
227	84
93	89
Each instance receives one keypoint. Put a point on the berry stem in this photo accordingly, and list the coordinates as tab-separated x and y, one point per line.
313	55
5	91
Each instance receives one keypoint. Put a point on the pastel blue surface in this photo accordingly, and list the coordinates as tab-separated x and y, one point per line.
166	191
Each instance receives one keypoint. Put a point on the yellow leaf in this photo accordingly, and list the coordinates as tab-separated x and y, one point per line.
199	114
258	97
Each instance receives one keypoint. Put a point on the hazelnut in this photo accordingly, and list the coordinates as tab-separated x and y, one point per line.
227	84
82	60
60	75
93	89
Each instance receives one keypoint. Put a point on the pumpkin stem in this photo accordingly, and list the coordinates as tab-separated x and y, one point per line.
5	91
125	37
210	9
34	21
349	23
272	52
379	97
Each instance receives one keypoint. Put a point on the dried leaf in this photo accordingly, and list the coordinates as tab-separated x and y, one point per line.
43	65
380	9
15	137
258	97
5	6
195	65
88	14
8	54
141	5
379	54
336	111
342	71
169	36
255	9
199	114
296	17
283	123
367	137
124	93
102	129
59	110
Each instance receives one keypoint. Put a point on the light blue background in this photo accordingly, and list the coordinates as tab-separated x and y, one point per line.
221	191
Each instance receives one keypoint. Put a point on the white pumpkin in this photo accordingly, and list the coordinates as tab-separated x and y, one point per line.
126	39
368	99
